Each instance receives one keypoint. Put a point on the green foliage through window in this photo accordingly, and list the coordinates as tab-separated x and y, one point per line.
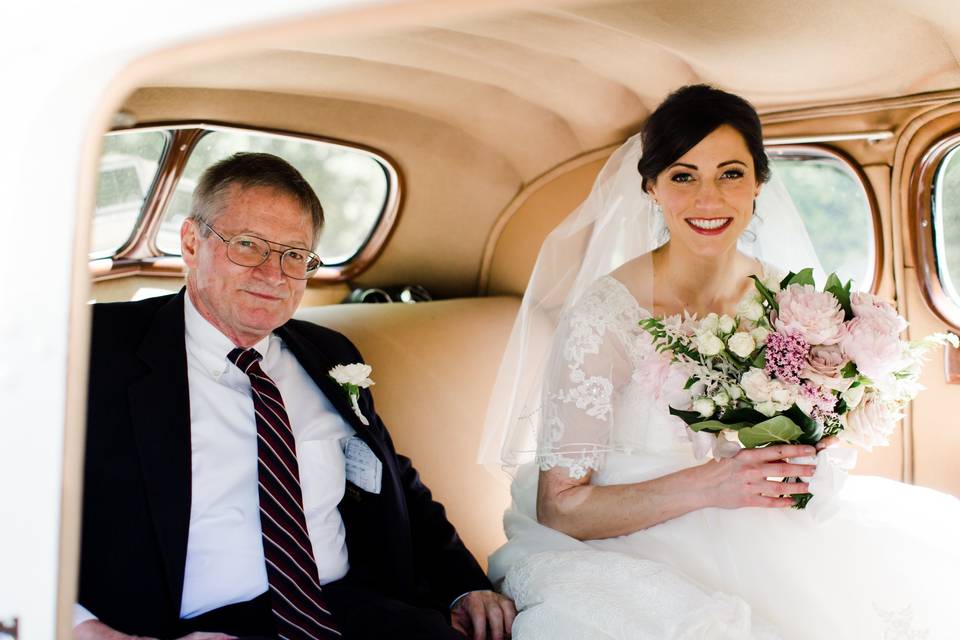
835	209
946	224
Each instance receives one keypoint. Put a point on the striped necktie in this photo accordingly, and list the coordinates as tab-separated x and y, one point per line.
298	606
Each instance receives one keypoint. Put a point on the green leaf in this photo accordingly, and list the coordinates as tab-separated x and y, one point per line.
786	279
765	292
800	500
776	429
716	425
841	407
692	380
690	417
841	293
760	360
805	276
849	370
812	430
744	414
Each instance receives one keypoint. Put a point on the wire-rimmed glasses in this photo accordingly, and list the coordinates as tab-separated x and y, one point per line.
251	251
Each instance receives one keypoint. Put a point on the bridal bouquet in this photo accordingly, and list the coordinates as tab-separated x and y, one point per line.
795	365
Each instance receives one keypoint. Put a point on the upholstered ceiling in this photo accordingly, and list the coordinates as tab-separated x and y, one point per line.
474	108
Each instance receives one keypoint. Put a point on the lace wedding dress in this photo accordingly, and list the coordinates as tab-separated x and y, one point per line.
882	565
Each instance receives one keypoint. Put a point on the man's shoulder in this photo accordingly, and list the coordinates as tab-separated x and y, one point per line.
120	322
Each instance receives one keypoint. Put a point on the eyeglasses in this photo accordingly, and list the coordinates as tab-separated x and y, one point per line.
251	251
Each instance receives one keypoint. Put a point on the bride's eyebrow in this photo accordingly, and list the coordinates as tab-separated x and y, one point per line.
684	164
728	162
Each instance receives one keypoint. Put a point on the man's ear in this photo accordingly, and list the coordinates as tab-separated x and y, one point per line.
189	242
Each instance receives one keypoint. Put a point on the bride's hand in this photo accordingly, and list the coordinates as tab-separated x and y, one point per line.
744	480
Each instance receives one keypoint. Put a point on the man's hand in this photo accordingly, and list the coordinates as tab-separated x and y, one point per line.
478	610
96	630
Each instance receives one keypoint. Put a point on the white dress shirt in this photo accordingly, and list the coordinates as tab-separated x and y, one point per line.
224	563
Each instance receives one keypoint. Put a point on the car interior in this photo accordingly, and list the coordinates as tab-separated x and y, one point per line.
447	139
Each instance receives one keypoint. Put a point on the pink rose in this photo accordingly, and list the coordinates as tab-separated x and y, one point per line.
824	364
866	305
870	424
813	314
873	344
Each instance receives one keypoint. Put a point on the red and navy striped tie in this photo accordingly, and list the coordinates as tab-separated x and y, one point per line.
298	605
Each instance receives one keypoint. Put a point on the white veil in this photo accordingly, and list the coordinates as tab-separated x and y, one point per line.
616	223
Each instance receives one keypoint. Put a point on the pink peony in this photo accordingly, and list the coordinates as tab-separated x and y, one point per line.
870	424
815	315
866	305
873	344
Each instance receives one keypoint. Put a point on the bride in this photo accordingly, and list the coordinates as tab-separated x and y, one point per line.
617	529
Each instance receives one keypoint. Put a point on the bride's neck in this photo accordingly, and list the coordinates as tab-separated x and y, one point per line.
694	283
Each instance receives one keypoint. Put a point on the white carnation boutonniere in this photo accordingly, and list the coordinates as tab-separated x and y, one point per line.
352	378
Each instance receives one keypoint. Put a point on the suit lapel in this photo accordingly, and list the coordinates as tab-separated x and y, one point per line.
317	362
160	407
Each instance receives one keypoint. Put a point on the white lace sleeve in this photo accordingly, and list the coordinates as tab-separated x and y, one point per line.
589	364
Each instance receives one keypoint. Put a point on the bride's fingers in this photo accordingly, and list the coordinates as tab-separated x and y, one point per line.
786	470
773	488
778	452
768	501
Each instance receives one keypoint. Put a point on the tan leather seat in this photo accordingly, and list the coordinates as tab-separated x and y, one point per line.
434	364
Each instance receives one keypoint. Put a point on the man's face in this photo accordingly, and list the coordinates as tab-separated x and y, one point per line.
246	303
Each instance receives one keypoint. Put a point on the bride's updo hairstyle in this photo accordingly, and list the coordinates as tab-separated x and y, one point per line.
690	114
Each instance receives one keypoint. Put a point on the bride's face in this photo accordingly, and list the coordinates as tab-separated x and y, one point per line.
707	194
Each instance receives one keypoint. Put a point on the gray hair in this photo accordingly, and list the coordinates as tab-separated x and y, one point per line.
247	170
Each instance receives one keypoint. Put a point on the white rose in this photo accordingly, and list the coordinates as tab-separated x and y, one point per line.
783	395
766	408
357	374
734	392
741	344
756	384
704	406
772	282
721	398
710	323
709	344
726	324
751	309
853	396
759	335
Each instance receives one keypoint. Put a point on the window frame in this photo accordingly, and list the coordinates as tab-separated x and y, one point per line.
140	254
920	216
826	151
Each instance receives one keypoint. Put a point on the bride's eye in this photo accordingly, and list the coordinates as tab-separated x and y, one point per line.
731	174
681	177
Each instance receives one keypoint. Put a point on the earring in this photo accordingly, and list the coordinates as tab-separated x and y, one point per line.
658	208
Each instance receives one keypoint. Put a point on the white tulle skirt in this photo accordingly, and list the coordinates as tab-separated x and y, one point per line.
885	565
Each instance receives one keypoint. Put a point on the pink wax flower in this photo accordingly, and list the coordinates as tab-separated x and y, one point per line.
786	356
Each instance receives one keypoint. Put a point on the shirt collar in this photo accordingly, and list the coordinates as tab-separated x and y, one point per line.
210	346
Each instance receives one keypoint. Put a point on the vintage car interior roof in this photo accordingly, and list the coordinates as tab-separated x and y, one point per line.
474	108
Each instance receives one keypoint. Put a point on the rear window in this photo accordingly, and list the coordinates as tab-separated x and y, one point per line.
832	200
354	186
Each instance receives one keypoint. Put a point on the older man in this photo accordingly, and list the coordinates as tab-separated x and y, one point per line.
231	484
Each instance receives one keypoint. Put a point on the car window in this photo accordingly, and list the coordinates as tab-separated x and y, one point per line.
352	186
946	223
128	166
833	202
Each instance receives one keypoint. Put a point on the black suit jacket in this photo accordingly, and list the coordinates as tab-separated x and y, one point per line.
137	478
